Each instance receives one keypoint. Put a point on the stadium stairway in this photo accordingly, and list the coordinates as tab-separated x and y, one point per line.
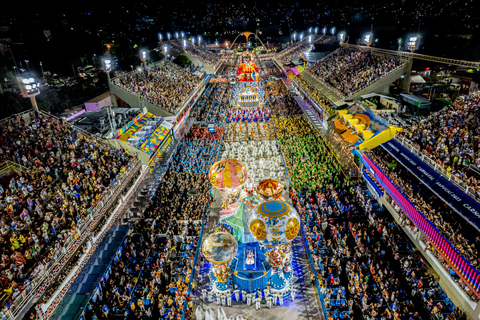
87	281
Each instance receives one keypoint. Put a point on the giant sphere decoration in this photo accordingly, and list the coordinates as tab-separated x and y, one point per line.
274	223
227	174
220	247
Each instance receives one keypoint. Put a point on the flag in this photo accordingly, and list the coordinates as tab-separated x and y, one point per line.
284	75
303	57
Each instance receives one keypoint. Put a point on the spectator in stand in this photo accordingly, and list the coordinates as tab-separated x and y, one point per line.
165	85
458	231
64	176
348	71
451	138
213	105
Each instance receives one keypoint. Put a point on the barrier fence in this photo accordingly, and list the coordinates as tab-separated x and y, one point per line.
440	169
450	254
54	267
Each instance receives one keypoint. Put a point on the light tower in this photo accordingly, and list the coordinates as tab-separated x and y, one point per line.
30	88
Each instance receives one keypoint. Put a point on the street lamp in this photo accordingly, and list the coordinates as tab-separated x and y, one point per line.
413	42
310	38
184	43
29	88
199	40
294	36
160	36
342	36
316	30
301	36
193	40
324	30
168	35
310	30
183	34
144	55
367	39
216	43
332	31
176	35
165	49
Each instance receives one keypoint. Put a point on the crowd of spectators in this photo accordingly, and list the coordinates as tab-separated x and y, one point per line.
295	50
456	229
451	138
165	85
347	71
196	51
281	101
213	105
228	68
183	193
267	68
65	174
359	258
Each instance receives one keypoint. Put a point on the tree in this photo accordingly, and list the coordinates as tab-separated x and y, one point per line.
182	60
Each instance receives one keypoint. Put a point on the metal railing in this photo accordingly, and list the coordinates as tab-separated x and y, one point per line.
54	266
440	169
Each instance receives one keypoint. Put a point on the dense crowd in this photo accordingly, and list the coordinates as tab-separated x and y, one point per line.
348	71
165	85
186	182
295	50
65	175
213	105
281	102
228	68
268	68
360	257
451	138
306	154
196	51
458	231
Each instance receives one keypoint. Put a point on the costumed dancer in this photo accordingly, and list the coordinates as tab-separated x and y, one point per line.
219	300
280	296
229	299
204	294
293	294
275	296
249	299
244	295
269	302
237	294
210	296
257	303
223	299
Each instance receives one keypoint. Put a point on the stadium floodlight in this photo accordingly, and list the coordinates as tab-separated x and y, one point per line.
342	36
108	64
324	30
216	43
144	55
184	43
160	36
165	49
367	39
183	34
310	38
301	36
310	30
29	88
294	36
413	41
168	35
176	35
199	39
332	31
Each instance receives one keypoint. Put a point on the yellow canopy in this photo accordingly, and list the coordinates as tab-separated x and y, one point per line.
352	122
379	138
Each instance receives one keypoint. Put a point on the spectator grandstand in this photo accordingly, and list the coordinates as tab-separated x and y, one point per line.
64	176
347	71
165	85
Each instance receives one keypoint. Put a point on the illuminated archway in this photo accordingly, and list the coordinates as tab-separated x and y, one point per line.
247	34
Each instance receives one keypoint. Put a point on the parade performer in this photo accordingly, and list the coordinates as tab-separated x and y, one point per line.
257	303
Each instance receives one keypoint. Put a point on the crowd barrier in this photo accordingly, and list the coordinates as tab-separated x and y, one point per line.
462	267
